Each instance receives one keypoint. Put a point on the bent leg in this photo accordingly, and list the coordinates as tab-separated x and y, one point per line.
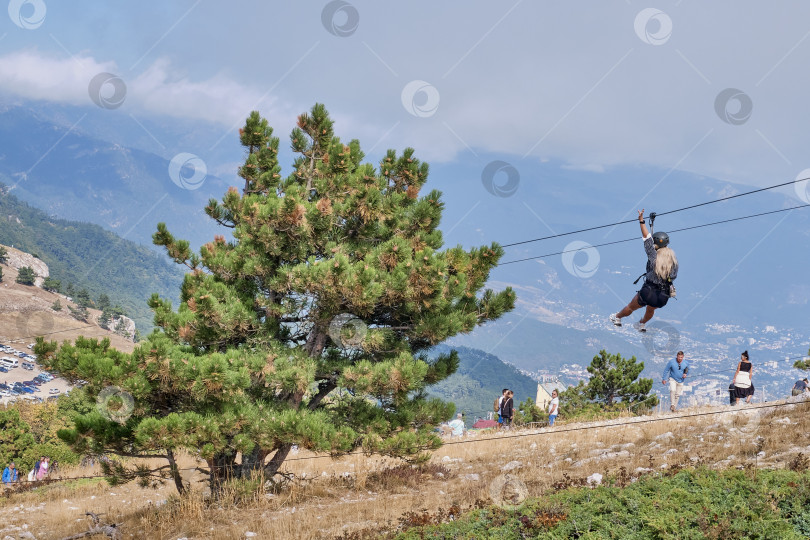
648	314
629	308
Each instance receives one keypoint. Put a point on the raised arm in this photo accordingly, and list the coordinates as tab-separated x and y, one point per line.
644	231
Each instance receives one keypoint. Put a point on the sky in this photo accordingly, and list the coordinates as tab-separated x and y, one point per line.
717	89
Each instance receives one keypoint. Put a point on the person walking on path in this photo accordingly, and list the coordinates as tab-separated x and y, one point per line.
675	373
743	380
661	270
553	408
10	474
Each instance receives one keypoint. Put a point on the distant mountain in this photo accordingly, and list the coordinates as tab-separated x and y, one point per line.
534	346
72	175
480	378
89	257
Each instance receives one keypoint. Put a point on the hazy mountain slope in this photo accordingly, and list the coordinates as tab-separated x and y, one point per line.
90	257
480	378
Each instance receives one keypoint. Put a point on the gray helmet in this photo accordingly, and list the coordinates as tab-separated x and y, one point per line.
660	239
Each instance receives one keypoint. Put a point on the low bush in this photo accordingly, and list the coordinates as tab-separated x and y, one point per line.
689	504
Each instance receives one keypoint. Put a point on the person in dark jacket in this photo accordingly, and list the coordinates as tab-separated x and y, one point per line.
662	269
508	409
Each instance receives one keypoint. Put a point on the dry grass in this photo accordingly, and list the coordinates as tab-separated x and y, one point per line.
330	498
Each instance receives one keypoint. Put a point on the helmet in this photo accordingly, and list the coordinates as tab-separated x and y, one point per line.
660	239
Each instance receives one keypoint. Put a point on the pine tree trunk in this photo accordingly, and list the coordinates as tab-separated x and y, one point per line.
252	463
178	480
277	461
220	470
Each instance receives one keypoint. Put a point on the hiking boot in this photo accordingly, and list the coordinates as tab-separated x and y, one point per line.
615	320
639	326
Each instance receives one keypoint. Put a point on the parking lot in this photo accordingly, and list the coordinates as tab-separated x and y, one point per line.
19	374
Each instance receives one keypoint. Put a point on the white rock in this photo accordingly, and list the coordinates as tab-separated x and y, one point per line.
447	459
512	465
250	534
534	446
595	479
784	420
761	455
665	436
473	477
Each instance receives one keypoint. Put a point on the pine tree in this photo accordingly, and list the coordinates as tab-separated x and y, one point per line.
57	305
613	378
308	328
3	254
26	276
103	302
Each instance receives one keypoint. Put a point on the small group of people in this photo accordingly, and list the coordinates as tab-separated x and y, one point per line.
677	369
42	468
505	407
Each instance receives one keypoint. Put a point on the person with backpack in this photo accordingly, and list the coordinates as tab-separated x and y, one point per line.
497	406
662	269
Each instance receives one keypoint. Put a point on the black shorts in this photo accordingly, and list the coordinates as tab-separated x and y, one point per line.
652	296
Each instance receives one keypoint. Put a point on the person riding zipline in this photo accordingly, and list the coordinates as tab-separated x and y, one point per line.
662	269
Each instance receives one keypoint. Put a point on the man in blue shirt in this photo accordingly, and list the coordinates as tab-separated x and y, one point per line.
10	474
675	372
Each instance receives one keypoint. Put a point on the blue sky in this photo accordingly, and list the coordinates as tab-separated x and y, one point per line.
591	85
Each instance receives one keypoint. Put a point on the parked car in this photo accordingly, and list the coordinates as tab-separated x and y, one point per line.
3	369
53	391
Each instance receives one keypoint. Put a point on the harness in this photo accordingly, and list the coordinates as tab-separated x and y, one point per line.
668	287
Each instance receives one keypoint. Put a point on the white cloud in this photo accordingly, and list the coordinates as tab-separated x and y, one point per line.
158	90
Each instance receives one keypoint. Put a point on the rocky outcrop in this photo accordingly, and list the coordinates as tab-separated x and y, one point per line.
17	259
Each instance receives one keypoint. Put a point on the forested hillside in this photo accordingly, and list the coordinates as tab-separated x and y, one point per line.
479	380
88	257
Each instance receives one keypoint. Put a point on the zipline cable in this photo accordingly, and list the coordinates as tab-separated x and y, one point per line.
671	231
659	213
